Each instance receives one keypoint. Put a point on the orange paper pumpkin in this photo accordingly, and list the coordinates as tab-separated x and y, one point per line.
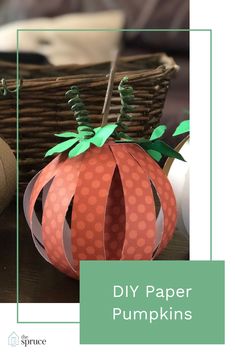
110	193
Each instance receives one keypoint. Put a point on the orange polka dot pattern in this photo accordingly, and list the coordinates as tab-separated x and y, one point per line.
164	191
115	220
113	210
89	205
54	213
140	226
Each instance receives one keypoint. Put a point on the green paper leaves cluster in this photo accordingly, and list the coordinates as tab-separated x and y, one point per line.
61	147
156	148
81	141
99	137
86	136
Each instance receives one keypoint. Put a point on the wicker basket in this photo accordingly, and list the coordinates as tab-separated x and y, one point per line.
44	110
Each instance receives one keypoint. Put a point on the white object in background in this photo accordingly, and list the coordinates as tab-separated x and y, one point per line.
63	47
185	203
178	175
7	174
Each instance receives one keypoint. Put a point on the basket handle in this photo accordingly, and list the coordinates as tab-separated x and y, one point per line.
4	89
169	63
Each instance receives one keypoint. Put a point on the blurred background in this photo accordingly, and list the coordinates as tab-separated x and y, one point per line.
38	281
85	48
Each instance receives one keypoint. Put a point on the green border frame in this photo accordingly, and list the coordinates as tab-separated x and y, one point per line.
17	139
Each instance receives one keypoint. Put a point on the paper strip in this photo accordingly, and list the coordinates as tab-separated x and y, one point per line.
54	214
89	205
35	227
43	178
139	205
115	219
163	189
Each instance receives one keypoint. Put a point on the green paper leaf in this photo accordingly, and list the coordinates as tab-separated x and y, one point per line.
79	148
124	136
61	147
158	132
155	155
163	148
67	134
102	134
131	140
83	134
168	151
182	128
79	136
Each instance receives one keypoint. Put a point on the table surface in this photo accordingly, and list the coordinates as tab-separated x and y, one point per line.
39	282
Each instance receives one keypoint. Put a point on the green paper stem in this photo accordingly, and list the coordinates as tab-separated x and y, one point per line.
86	135
80	113
126	93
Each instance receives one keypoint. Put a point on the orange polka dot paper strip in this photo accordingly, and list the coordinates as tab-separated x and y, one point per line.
100	205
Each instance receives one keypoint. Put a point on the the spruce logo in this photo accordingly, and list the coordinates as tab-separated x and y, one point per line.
13	339
26	341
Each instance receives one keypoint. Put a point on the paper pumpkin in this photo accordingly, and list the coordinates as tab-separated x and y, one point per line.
178	175
113	214
7	174
99	193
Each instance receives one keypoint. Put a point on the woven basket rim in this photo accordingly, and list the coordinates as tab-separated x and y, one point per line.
44	108
163	58
164	69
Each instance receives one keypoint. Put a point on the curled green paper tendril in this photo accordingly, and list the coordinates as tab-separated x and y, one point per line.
86	136
81	141
80	113
126	93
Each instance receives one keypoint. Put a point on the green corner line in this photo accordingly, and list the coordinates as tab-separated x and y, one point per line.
17	135
114	30
211	156
48	322
17	177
